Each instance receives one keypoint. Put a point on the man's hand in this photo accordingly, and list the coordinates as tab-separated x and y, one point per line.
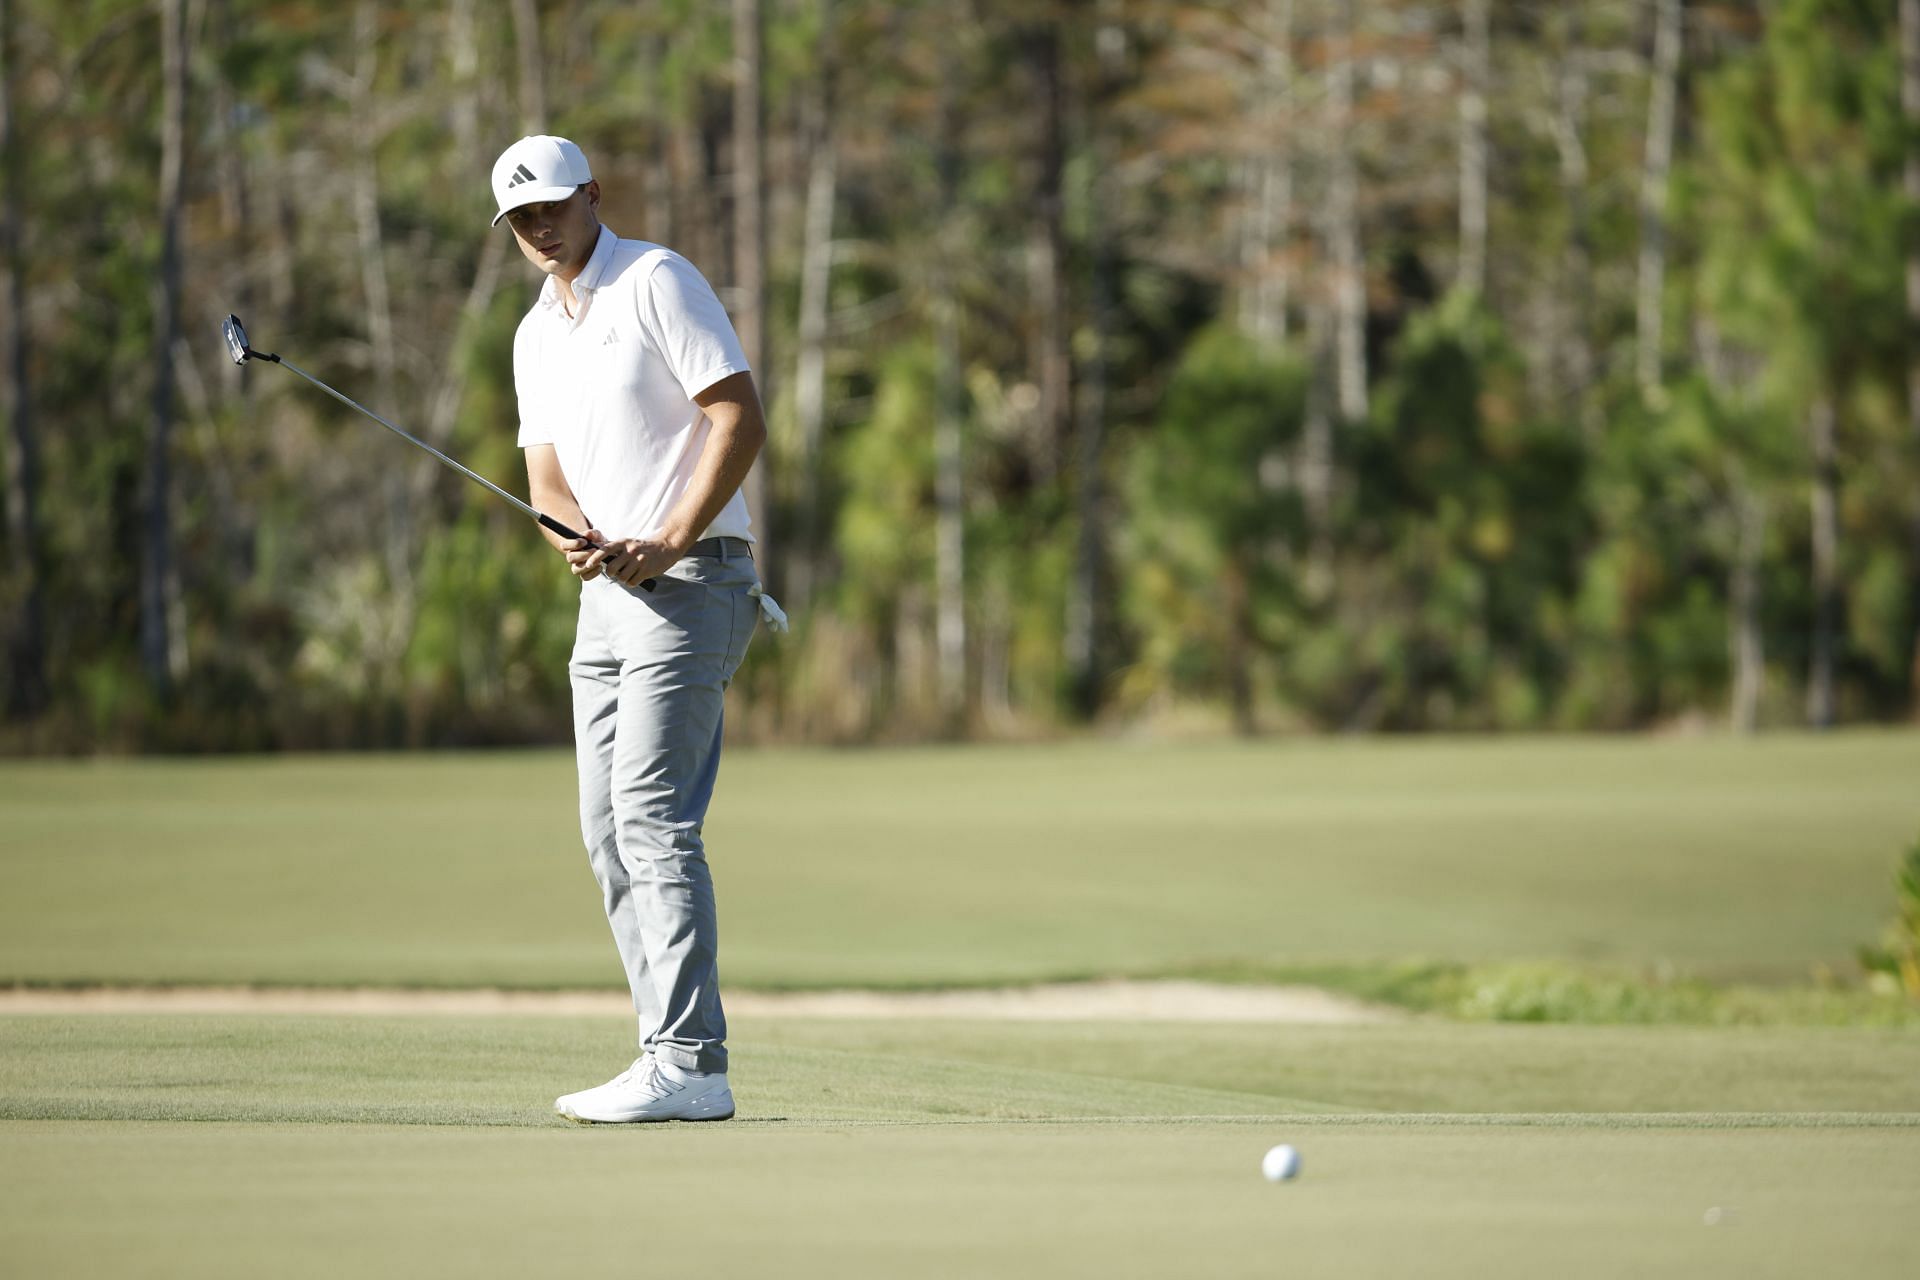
628	561
584	559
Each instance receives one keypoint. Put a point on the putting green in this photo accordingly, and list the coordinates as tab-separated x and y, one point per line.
1759	858
922	1148
992	1199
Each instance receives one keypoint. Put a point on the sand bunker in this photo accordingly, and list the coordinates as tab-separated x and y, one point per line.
1109	1001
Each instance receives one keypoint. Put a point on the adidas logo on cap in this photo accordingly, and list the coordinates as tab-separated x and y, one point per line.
520	175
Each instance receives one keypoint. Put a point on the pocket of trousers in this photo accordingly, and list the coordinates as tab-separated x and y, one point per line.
746	611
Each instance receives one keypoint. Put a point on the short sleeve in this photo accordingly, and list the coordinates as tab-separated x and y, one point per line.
688	325
533	428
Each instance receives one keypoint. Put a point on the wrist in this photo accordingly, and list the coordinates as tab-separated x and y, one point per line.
679	539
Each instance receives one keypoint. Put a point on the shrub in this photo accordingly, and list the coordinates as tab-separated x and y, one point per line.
1894	965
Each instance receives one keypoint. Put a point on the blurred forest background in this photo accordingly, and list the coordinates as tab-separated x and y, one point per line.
1283	364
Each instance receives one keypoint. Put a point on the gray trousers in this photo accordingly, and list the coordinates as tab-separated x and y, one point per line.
649	670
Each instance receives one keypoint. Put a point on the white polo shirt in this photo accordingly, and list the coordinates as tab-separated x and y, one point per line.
611	387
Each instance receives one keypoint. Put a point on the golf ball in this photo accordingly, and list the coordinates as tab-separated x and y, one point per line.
1281	1163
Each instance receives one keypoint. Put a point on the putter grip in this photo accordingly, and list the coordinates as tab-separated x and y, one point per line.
549	522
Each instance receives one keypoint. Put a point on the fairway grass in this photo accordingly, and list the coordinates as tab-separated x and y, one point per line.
309	1146
1726	859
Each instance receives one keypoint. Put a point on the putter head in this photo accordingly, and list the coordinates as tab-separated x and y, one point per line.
236	337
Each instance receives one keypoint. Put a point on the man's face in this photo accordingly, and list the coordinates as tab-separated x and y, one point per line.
558	236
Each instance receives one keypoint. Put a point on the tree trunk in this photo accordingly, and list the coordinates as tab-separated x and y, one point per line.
1731	379
401	533
749	242
1749	653
1049	357
1343	215
696	208
1576	296
1237	586
533	81
949	515
1085	614
161	653
1823	430
463	73
1910	111
949	483
366	205
231	512
1315	465
236	215
816	278
1658	162
1476	61
658	208
1266	267
27	691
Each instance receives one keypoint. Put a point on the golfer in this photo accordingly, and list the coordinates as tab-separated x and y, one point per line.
639	420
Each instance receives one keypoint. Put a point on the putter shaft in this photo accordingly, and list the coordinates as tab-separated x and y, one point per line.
235	335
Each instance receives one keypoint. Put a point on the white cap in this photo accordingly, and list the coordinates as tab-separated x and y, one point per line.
537	169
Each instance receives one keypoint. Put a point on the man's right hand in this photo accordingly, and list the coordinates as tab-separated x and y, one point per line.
586	555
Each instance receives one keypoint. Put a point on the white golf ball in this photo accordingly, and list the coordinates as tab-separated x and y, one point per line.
1281	1163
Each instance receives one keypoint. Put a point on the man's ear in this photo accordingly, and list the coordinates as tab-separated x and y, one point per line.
593	194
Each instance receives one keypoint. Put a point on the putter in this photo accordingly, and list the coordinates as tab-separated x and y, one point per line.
236	336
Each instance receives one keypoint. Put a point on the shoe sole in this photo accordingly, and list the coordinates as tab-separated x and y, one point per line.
696	1118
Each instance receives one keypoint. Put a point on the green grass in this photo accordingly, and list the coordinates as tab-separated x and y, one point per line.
502	1070
1603	881
1717	858
1520	991
1005	1200
400	1147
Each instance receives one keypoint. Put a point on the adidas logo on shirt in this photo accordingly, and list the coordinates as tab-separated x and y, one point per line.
520	174
612	337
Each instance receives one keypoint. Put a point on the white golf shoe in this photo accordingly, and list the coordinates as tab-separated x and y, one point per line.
651	1090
